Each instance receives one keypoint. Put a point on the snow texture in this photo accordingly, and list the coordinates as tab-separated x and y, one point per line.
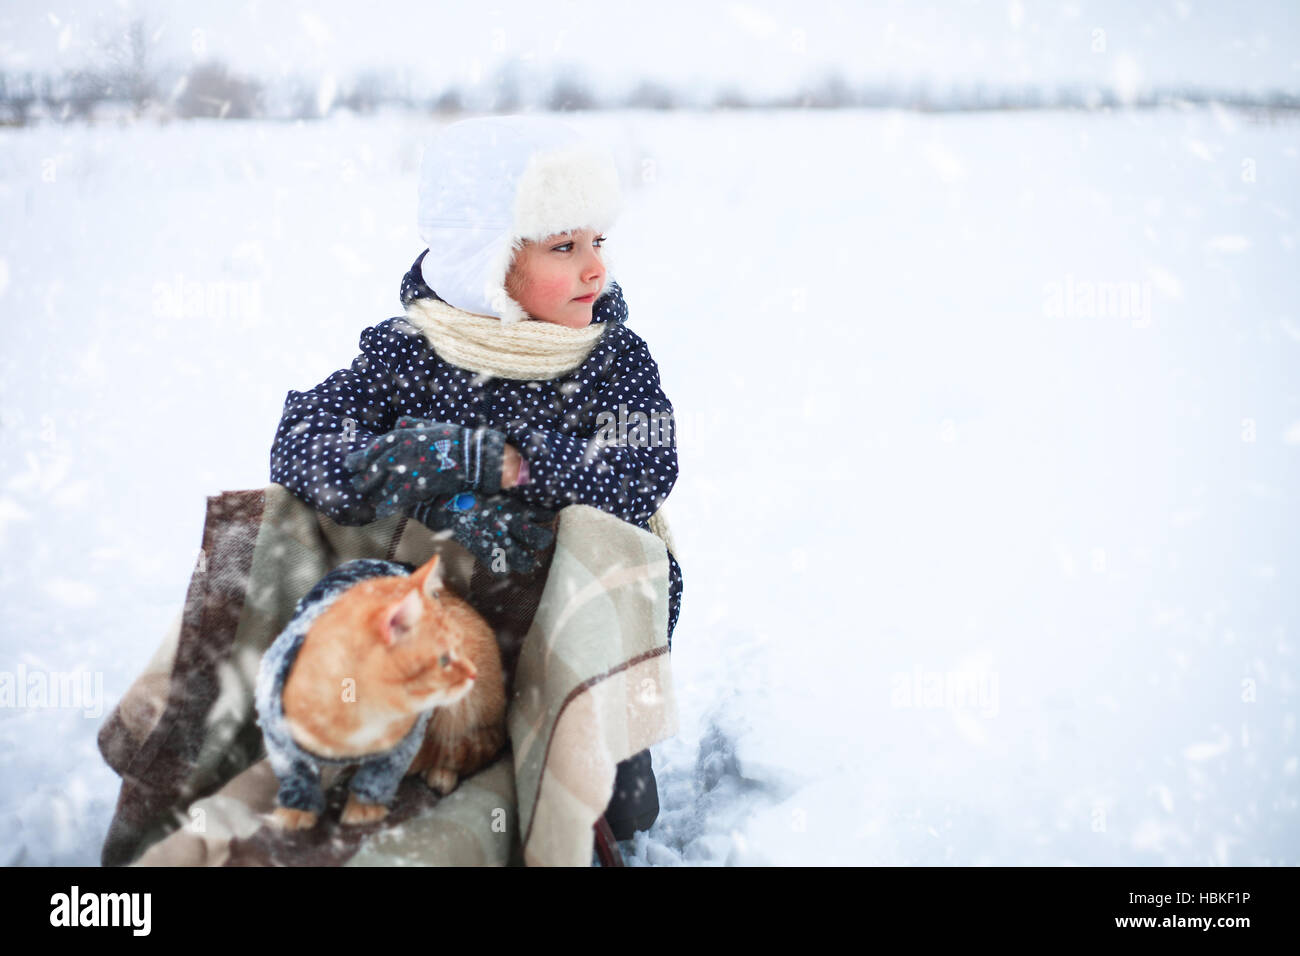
989	433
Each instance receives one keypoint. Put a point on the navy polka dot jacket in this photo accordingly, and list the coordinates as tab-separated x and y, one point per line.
550	422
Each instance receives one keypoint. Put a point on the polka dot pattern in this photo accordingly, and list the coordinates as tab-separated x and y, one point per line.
552	422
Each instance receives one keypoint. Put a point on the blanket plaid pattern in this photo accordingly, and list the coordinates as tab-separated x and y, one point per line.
584	649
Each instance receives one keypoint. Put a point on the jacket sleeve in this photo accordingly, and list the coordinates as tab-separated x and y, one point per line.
611	462
319	427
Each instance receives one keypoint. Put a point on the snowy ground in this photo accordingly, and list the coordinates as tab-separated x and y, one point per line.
975	573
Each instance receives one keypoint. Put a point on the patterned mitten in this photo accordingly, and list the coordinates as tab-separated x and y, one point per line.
502	532
419	460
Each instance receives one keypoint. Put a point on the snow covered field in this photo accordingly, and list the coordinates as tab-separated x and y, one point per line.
990	457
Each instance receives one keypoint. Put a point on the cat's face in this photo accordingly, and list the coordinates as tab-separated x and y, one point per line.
424	649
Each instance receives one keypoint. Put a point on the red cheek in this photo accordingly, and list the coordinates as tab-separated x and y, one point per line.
554	288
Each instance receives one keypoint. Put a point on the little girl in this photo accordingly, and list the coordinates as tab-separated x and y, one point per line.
500	379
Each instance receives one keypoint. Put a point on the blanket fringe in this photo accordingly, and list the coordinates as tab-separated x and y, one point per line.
659	526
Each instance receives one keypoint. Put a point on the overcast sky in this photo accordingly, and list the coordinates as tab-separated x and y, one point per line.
757	46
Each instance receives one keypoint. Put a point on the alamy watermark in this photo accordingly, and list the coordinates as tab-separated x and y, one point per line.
75	908
635	429
219	299
1082	298
74	690
946	690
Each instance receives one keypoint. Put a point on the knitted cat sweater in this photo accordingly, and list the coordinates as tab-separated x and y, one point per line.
377	778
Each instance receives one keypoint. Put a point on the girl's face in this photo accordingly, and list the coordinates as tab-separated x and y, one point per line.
550	278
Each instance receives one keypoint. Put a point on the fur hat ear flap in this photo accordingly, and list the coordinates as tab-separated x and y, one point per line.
495	292
609	270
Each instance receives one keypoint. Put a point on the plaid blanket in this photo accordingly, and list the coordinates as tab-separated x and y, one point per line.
585	657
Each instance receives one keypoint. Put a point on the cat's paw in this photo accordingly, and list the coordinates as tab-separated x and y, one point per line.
289	819
358	812
441	780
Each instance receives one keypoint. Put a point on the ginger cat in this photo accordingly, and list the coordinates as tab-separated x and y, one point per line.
408	644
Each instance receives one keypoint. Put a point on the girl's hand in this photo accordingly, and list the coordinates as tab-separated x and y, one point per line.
510	467
504	534
419	460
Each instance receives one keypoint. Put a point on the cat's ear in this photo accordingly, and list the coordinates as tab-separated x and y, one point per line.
402	616
428	578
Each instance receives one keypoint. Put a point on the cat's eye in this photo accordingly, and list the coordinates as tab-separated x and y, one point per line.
445	660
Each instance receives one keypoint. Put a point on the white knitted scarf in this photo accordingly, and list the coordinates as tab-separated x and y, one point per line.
531	350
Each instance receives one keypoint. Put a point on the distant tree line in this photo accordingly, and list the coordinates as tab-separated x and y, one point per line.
129	84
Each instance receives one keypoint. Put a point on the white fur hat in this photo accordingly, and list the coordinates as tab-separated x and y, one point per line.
489	183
